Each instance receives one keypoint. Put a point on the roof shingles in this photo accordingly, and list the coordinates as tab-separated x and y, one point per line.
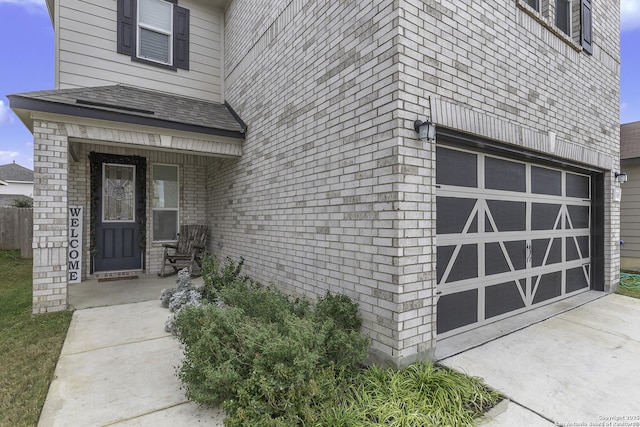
15	172
128	103
630	140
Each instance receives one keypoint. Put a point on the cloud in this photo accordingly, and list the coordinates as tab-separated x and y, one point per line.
8	156
629	15
31	6
6	117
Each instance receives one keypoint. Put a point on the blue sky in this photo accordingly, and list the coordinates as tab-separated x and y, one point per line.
27	56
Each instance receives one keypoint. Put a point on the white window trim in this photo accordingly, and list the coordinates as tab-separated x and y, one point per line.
169	33
176	209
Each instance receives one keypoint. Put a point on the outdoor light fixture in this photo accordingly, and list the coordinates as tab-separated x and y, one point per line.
426	130
621	177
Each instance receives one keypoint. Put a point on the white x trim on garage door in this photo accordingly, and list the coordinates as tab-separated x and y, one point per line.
511	235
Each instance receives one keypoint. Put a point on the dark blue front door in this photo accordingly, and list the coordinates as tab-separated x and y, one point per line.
117	228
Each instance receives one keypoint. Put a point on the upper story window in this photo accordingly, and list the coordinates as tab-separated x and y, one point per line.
563	16
155	32
570	18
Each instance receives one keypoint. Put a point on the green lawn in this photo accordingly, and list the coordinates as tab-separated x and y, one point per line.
634	293
29	345
629	284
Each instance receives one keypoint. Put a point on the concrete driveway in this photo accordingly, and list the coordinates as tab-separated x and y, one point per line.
581	367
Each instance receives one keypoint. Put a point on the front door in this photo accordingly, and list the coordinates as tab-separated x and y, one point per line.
117	237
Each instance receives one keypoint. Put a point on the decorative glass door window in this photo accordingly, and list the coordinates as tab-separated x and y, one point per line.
118	184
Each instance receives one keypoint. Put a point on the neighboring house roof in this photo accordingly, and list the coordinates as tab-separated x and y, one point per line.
7	200
13	172
630	140
133	105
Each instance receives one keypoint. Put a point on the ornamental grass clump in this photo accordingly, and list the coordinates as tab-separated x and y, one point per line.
419	395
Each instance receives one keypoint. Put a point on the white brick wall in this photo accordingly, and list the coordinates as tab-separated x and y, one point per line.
49	218
334	192
192	177
60	181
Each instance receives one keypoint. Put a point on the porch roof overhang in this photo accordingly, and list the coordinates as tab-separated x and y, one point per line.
132	105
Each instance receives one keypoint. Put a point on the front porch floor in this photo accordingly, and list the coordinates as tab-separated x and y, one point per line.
147	287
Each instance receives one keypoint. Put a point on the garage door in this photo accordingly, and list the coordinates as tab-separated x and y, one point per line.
511	236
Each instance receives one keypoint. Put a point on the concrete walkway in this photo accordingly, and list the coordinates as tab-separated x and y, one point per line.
117	367
581	367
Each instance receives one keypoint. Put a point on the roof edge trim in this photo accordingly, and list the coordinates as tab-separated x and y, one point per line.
85	111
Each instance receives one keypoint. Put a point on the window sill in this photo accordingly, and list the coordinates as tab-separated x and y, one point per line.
546	22
153	63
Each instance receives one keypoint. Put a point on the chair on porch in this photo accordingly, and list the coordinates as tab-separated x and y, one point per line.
187	251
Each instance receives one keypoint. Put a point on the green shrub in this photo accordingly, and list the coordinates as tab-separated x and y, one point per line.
275	361
420	395
272	361
216	276
263	303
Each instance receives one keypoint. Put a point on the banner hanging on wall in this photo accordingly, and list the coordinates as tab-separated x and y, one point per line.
75	244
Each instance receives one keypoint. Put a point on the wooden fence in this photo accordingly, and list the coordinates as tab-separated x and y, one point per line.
16	230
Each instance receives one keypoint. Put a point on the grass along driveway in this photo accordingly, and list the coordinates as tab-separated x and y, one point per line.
29	345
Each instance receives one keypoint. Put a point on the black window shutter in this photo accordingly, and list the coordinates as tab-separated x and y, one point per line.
586	30
180	37
127	27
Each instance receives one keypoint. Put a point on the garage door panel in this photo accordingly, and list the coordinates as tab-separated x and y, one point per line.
577	247
517	251
458	212
546	181
505	175
578	186
578	217
456	168
506	216
504	297
577	278
457	310
547	286
546	252
443	256
465	264
495	261
522	238
545	216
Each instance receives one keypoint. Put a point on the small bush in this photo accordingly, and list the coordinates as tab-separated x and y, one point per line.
272	361
176	298
279	362
216	276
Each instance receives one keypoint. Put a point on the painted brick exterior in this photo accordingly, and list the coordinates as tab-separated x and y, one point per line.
332	190
50	172
335	193
63	181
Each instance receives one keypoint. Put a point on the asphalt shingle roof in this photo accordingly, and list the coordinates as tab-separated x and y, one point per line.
15	172
135	105
630	140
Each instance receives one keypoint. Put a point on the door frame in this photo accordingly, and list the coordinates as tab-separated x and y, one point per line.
96	161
